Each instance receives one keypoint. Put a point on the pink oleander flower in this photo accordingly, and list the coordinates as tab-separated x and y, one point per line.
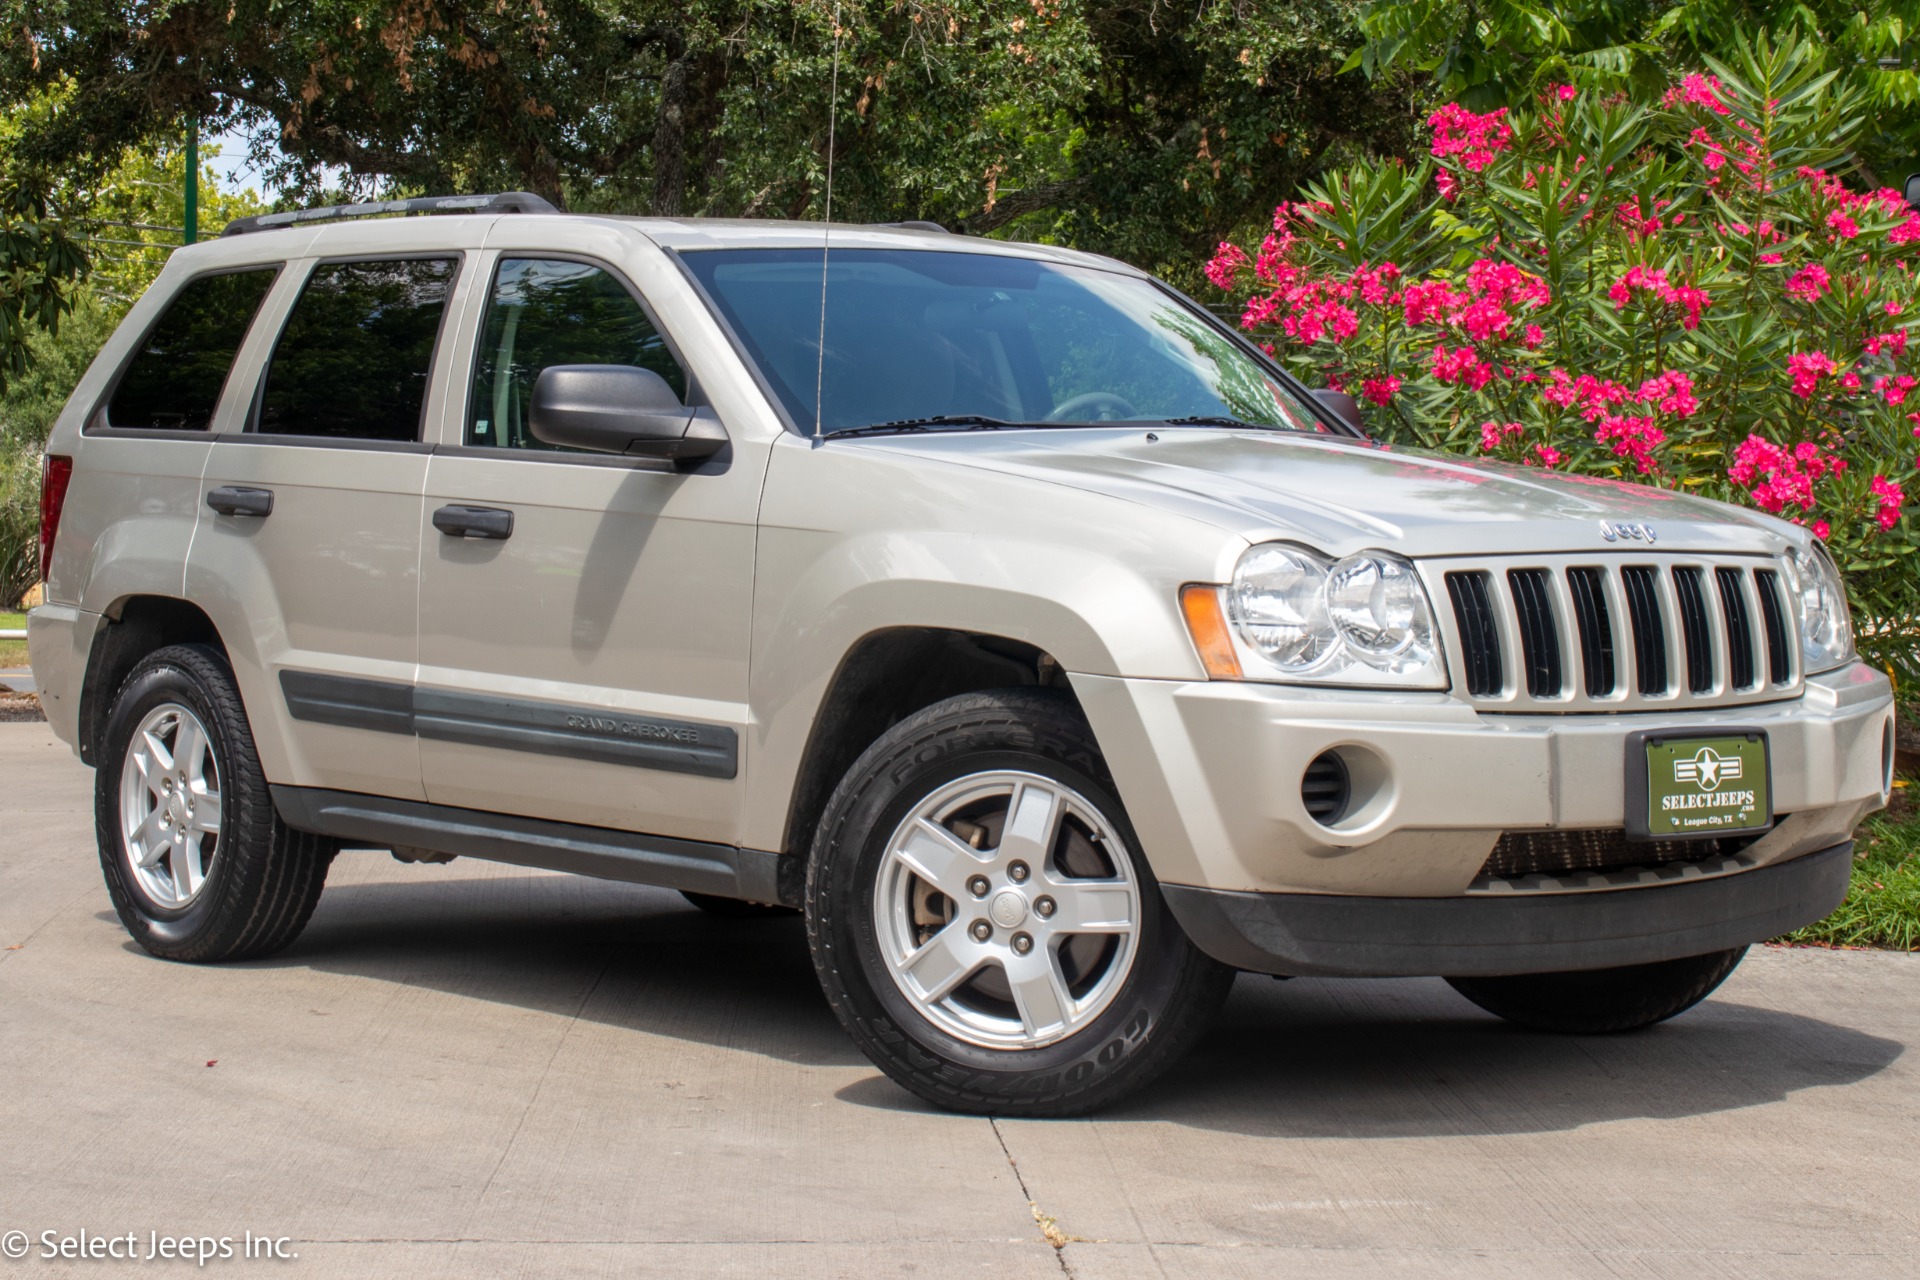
1891	344
1375	284
1485	320
1507	284
1260	311
1546	455
1461	367
1380	390
1842	226
1534	337
1807	369
1821	529
1808	283
1323	319
1476	139
1631	437
1698	90
1891	500
1443	183
1850	380
1493	433
1430	302
1224	267
1769	259
1564	92
1671	392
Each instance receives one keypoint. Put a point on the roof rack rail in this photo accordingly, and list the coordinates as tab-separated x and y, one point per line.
500	202
914	225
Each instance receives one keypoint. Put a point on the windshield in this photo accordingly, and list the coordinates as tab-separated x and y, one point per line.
916	334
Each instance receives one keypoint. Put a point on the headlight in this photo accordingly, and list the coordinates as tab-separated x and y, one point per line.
1363	620
1820	601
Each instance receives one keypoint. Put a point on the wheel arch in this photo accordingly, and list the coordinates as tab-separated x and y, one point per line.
886	676
136	625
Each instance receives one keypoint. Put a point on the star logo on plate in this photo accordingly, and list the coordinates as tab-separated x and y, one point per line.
1707	769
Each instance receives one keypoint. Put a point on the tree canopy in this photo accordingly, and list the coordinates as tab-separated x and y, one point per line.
1124	126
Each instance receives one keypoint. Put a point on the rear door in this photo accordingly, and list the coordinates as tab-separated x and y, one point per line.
584	658
309	552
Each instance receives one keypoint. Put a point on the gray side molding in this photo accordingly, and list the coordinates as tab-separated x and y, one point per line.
514	724
381	822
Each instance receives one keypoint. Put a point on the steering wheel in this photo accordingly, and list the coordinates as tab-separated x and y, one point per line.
1075	409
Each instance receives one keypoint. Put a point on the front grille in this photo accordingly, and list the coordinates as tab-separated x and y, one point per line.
1555	853
1586	633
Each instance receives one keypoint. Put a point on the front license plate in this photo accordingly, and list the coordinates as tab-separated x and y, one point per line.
1704	785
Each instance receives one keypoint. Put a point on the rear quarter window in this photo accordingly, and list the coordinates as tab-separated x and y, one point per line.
174	381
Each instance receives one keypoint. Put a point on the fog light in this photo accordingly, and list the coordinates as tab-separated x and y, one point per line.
1326	789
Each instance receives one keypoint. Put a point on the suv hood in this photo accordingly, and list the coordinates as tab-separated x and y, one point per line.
1341	495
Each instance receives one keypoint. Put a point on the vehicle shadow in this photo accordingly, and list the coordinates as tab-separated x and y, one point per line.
1302	1059
621	955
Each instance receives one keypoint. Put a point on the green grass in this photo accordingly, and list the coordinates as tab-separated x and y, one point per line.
1882	908
13	653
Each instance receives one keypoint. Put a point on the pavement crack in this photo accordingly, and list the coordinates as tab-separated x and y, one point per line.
1057	1239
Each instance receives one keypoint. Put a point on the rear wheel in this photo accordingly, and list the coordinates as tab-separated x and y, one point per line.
984	924
1599	1001
198	864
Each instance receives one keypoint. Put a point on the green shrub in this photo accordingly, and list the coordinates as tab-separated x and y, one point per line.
1681	295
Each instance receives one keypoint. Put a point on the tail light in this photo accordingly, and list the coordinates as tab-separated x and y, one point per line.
55	472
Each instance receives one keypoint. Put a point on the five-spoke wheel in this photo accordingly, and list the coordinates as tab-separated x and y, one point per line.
1004	911
170	805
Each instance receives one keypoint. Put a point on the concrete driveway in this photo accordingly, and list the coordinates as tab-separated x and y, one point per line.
472	1070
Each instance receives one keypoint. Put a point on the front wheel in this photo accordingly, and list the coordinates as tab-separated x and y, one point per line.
984	924
1600	1001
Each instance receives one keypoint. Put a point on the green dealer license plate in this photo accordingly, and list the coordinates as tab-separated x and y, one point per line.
1705	785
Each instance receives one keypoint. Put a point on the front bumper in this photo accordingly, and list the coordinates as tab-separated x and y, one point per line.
1210	774
1331	935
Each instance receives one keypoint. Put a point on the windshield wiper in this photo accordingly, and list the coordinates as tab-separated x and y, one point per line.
1205	420
964	421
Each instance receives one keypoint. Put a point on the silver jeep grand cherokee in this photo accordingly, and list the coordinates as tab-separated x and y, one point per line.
992	604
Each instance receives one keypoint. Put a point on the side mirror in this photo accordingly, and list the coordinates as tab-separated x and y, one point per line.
1339	403
618	408
1912	191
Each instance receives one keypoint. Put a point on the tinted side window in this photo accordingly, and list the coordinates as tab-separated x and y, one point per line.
546	312
174	382
357	351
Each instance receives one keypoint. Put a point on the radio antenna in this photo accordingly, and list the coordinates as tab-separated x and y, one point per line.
826	230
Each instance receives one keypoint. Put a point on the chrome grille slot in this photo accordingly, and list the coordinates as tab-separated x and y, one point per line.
1697	631
1596	629
1539	635
1642	587
1582	632
1773	617
1479	633
1739	619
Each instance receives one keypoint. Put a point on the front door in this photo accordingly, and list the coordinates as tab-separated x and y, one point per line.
583	618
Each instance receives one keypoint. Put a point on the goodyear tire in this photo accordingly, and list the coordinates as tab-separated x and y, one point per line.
984	924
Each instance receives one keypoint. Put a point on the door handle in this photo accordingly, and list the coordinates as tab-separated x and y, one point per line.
459	521
238	500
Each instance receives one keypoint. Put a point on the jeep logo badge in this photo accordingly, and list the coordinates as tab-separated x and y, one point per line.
1613	531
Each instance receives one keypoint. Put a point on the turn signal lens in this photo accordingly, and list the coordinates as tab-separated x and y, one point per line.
1207	624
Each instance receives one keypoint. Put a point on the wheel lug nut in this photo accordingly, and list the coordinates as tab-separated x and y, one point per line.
981	931
1043	908
1017	872
978	886
1022	943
